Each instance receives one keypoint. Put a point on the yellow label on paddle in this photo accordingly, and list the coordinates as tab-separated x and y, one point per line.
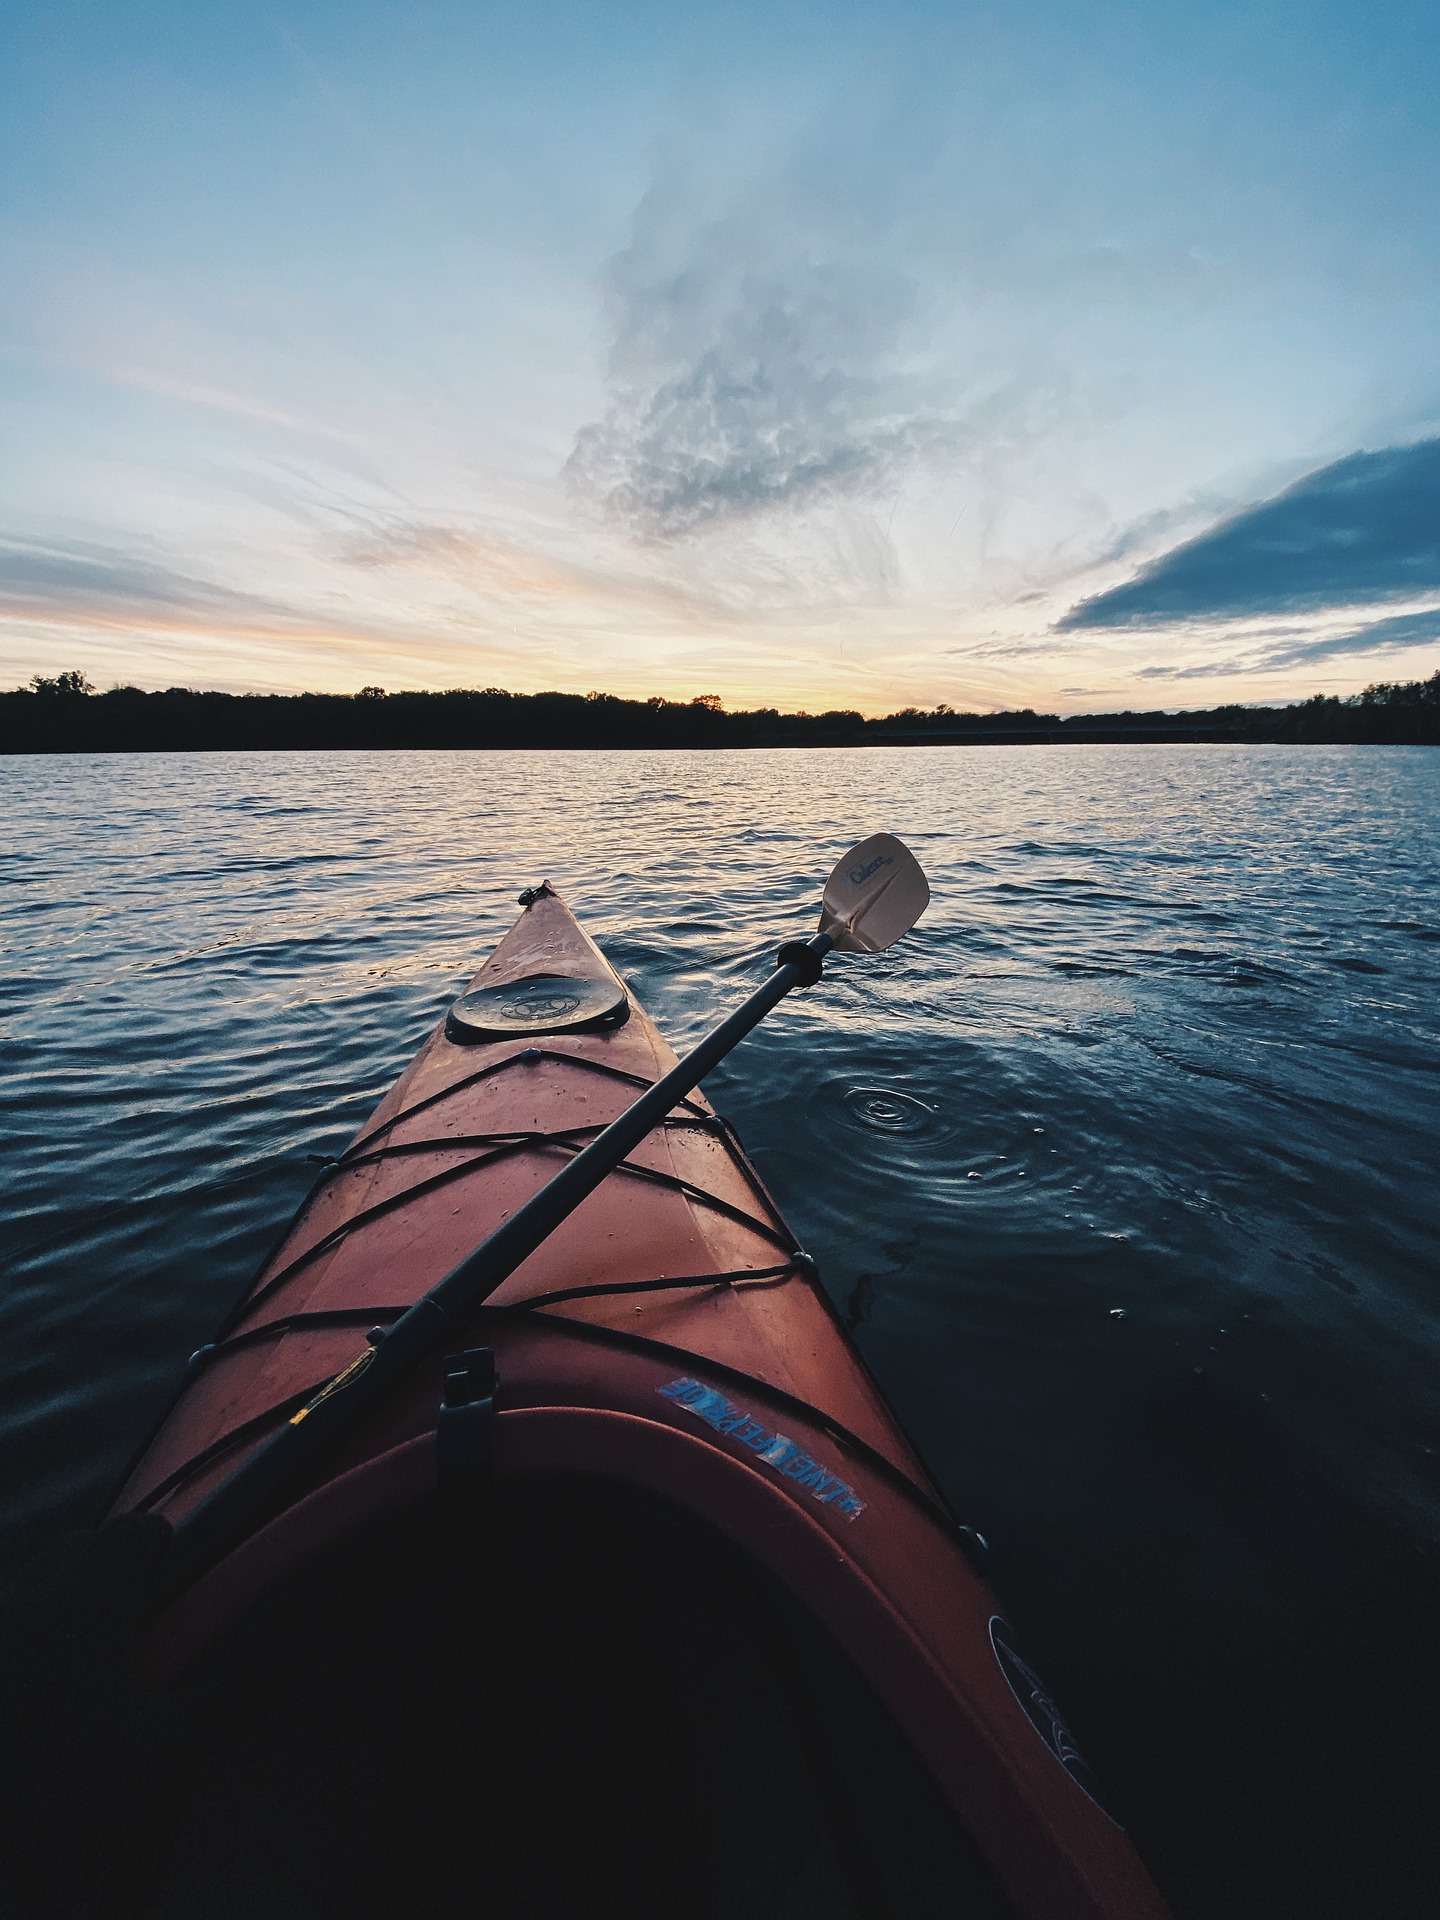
352	1372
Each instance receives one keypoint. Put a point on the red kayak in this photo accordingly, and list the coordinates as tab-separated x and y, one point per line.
638	1601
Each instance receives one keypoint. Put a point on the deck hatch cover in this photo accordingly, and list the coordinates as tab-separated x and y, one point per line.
538	1003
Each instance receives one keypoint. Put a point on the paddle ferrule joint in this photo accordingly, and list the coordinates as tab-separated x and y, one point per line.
803	957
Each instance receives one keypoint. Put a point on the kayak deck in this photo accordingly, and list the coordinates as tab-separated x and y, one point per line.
468	1134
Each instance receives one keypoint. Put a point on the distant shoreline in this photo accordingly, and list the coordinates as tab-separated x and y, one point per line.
66	715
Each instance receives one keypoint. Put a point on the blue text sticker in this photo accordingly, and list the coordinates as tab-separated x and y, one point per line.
786	1456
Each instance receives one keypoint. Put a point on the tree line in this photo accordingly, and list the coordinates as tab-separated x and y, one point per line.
67	715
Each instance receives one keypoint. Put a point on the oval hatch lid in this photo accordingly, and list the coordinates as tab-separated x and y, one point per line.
538	1003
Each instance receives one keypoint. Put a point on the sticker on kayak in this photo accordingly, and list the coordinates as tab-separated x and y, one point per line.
787	1456
1043	1714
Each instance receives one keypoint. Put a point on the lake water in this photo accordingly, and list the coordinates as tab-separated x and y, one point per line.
1124	1167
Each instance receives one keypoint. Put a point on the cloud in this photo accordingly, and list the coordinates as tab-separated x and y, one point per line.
740	386
222	400
79	585
508	572
113	611
1366	528
782	351
68	579
1400	631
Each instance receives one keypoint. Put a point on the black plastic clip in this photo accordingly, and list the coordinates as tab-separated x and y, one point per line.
464	1430
805	958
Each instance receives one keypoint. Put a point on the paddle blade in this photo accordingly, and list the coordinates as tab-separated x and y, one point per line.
875	894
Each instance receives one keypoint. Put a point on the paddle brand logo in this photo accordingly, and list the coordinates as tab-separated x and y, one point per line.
857	876
777	1450
1043	1714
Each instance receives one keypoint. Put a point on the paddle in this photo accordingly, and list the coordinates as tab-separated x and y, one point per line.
876	893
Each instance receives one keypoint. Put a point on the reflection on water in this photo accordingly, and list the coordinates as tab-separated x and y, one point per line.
1123	1168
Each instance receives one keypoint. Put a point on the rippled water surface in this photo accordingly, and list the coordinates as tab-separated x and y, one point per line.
1123	1168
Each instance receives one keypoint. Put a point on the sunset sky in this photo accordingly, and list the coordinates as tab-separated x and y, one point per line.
1068	356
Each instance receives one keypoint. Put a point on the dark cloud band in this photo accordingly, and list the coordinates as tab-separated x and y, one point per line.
1366	528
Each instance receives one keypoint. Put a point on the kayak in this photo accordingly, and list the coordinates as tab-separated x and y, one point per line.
636	1600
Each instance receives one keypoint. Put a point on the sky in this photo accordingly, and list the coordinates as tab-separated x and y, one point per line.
812	355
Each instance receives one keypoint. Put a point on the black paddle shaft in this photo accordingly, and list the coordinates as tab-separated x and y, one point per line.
255	1488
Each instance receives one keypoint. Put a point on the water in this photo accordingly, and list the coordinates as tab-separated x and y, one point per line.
1123	1168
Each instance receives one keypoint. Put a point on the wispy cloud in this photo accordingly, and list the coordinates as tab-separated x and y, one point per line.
40	579
82	587
1400	630
1363	529
457	554
1392	635
222	400
493	566
73	603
